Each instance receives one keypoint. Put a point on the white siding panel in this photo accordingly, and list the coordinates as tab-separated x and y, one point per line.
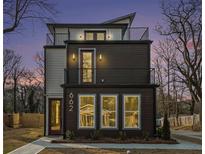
55	65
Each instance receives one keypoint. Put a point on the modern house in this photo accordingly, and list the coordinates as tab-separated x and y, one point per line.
98	77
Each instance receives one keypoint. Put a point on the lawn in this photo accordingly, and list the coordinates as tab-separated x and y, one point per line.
116	151
14	138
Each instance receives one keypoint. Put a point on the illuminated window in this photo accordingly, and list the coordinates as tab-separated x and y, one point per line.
100	36
55	115
109	111
89	36
131	114
86	111
87	67
95	35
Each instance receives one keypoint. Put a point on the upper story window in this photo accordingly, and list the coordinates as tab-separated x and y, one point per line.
95	35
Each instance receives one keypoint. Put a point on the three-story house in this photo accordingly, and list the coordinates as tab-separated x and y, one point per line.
98	77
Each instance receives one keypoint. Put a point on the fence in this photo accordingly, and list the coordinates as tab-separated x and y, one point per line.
181	121
34	120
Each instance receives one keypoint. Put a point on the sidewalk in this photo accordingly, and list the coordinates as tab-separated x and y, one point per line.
44	142
191	136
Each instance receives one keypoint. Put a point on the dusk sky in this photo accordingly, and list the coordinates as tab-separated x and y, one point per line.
32	36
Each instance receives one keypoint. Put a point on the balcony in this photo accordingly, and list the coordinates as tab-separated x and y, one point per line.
134	33
111	76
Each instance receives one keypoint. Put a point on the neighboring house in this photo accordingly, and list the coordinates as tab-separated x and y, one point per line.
98	77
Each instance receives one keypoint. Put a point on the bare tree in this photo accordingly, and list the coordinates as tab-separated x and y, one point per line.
39	61
165	53
10	60
183	26
18	11
16	74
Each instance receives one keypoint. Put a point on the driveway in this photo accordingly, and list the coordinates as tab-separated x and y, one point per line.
44	142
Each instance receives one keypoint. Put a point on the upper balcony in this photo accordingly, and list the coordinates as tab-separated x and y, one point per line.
106	34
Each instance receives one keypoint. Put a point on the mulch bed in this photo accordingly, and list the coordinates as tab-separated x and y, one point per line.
114	140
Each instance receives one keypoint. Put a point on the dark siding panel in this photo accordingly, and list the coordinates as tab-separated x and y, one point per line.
146	110
121	56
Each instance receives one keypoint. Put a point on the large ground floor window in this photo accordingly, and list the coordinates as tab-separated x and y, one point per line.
131	111
86	111
109	111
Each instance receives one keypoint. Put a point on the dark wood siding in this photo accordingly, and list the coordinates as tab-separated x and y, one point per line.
120	64
147	110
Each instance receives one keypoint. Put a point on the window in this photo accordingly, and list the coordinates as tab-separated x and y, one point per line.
95	35
86	111
131	114
101	36
89	36
108	111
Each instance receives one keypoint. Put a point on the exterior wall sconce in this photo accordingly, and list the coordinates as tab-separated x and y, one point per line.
108	37
100	57
80	36
73	57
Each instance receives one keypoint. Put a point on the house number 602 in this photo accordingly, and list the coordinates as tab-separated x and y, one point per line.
70	103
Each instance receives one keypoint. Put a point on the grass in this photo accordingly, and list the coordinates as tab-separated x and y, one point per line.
14	138
116	151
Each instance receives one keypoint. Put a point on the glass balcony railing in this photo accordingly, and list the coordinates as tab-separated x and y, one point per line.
134	33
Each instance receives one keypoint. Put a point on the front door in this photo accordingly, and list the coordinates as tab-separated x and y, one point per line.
55	116
87	66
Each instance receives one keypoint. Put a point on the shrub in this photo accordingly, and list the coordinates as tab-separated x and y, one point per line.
159	132
145	135
166	129
70	134
122	135
95	135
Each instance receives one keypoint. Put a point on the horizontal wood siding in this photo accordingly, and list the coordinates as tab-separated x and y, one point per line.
120	56
55	65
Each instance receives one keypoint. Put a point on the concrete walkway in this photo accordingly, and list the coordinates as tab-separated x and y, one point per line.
44	142
191	136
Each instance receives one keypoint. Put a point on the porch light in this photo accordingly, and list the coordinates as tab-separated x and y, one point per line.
100	57
80	36
73	57
108	37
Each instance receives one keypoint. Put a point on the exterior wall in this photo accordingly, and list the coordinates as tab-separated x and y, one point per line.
147	111
115	34
120	64
55	59
61	34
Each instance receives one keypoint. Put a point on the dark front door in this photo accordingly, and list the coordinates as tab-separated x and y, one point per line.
55	116
87	66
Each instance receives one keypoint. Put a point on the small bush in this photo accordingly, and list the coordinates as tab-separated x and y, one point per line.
166	129
159	132
95	135
122	135
145	135
70	134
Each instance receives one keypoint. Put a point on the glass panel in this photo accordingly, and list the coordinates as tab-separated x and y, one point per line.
100	36
131	111
55	115
89	36
108	111
87	111
131	119
87	67
131	103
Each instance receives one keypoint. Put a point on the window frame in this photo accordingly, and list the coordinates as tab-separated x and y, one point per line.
139	112
95	34
101	111
94	113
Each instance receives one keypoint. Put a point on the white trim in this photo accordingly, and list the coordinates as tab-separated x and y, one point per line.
94	113
116	112
94	52
139	111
